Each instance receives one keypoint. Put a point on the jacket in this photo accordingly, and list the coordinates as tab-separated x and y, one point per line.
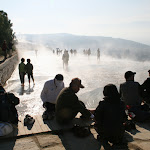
50	91
131	93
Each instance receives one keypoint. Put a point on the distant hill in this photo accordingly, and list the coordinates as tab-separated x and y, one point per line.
115	47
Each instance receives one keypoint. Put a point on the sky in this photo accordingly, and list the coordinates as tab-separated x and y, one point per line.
126	19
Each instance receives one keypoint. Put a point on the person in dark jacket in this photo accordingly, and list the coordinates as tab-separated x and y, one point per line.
29	70
22	71
130	92
8	111
146	89
110	116
68	104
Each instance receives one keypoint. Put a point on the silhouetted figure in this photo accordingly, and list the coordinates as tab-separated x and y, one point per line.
29	70
65	58
75	51
4	49
89	52
8	111
130	92
110	116
146	89
22	71
49	94
68	104
98	54
71	51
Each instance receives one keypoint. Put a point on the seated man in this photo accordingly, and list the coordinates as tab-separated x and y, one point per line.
130	92
68	104
49	94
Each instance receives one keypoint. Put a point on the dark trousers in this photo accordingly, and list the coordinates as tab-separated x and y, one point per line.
22	74
49	107
30	75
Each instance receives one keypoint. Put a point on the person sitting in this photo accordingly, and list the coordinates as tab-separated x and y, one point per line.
8	101
68	104
146	89
49	94
130	92
110	116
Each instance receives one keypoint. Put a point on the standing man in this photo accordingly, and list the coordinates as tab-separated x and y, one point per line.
49	94
130	92
29	70
98	54
22	71
146	89
65	58
68	104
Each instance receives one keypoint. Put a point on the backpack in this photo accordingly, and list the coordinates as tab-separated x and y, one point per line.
81	131
8	112
129	125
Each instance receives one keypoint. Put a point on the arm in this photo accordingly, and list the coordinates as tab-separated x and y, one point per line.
99	113
44	93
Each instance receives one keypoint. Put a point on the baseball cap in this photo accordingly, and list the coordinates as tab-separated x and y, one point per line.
77	81
129	74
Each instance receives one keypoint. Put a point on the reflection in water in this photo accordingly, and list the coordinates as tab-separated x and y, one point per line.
21	90
29	90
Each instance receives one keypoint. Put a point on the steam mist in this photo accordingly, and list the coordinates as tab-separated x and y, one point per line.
95	74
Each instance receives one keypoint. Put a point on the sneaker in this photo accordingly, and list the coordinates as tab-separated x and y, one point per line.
28	120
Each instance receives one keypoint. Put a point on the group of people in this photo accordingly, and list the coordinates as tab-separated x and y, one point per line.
25	69
109	116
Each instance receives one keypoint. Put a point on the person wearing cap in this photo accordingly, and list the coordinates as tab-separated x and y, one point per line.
68	104
49	94
130	92
146	89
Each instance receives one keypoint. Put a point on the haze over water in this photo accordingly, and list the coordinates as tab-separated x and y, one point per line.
94	75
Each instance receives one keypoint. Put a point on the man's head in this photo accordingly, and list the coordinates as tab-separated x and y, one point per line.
59	80
76	84
129	75
59	77
22	59
28	60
